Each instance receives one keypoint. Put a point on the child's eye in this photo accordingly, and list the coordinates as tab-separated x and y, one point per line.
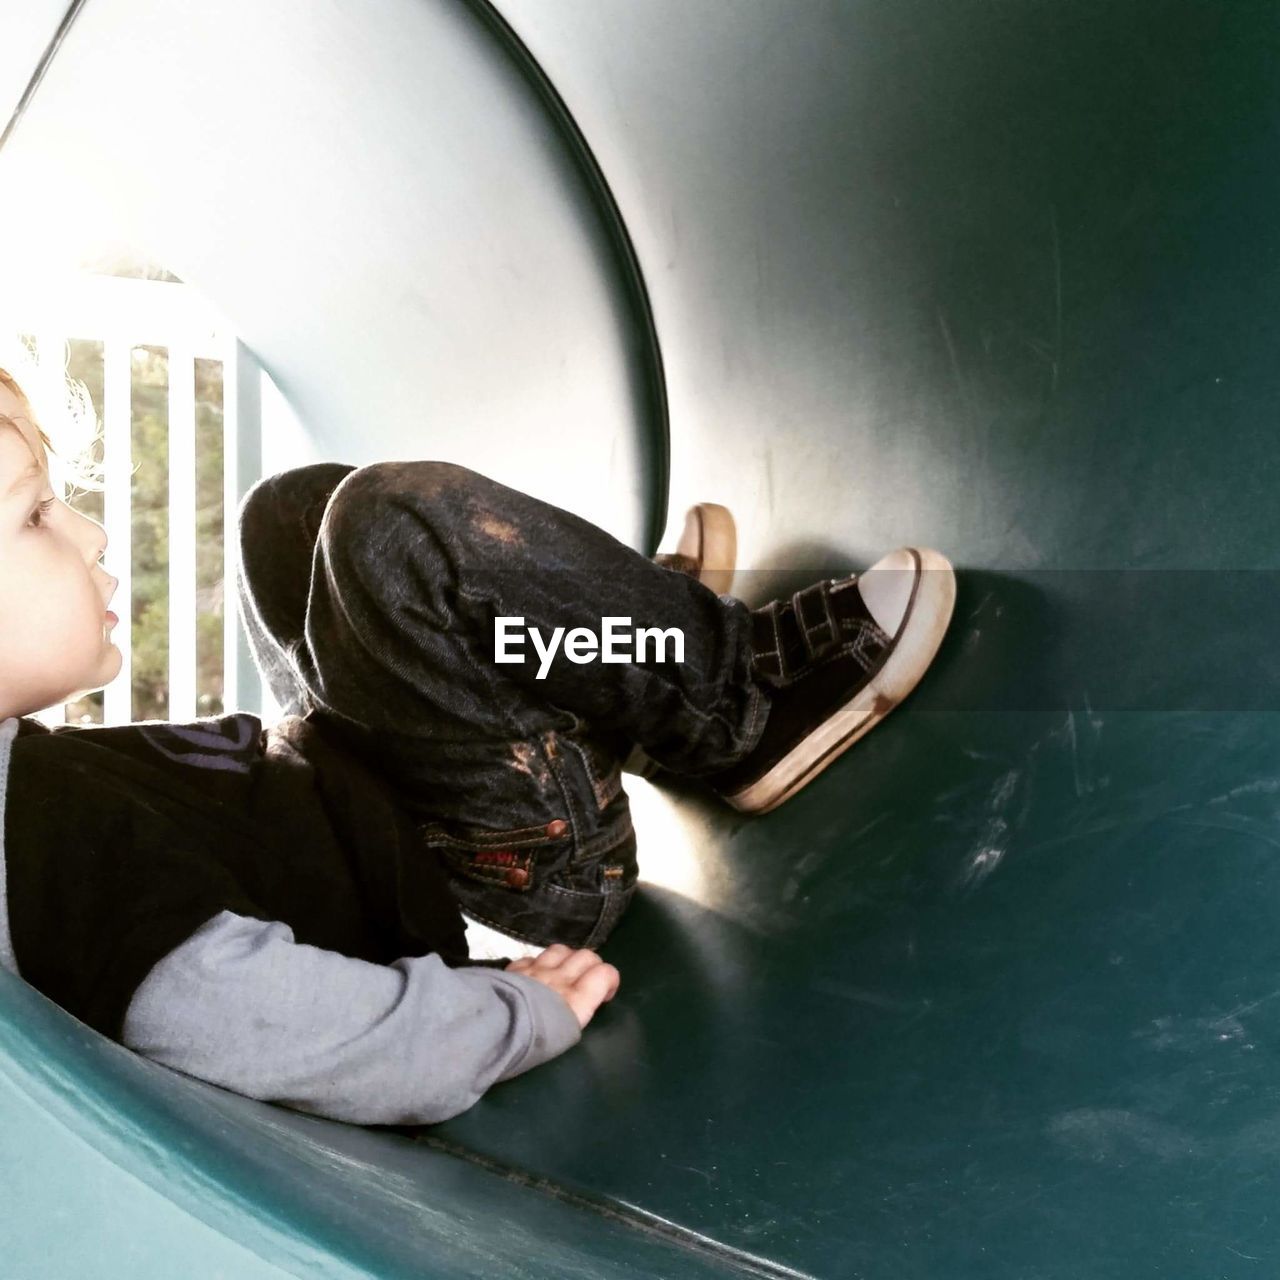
39	511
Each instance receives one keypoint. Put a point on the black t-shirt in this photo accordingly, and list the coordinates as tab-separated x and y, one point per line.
120	841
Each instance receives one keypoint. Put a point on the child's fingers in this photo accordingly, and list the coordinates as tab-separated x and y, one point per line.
599	983
553	955
555	958
576	963
579	976
589	991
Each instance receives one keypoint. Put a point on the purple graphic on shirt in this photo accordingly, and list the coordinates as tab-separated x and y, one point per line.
226	743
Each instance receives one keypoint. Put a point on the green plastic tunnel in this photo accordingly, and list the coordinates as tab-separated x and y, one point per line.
996	994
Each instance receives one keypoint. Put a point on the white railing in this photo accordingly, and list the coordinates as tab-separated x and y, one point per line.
123	313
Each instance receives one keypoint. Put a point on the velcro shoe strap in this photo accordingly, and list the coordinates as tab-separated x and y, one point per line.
818	627
788	635
766	642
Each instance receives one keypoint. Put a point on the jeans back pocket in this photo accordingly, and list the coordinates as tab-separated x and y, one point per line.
512	857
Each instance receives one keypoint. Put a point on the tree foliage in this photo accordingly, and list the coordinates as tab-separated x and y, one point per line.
149	526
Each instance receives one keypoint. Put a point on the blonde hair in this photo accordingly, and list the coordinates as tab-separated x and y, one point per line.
58	405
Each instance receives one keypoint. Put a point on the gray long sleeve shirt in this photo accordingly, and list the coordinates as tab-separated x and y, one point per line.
241	1003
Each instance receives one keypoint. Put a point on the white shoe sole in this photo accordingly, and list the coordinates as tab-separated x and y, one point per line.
917	644
711	537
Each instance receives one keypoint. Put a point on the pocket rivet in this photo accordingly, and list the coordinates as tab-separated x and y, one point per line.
557	827
517	877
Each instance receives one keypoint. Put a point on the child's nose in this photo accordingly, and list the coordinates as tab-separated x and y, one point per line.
98	541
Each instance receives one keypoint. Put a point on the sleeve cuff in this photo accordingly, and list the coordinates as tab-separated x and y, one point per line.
555	1025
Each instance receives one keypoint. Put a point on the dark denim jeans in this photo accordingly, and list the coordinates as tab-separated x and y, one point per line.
369	596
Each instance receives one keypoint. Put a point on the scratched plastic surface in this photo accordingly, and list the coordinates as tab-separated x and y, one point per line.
116	1166
999	994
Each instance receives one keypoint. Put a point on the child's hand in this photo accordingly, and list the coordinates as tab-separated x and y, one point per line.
581	977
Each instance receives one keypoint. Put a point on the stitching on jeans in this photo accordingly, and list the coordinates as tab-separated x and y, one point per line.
324	538
705	717
502	928
585	756
497	875
598	784
708	717
697	711
494	842
611	911
593	895
489	677
493	835
757	702
612	899
570	808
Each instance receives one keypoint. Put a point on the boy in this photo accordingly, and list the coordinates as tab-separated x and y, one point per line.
280	910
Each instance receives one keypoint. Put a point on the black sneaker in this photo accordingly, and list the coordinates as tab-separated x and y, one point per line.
836	659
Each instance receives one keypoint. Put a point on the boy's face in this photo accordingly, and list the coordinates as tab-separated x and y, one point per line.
54	633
